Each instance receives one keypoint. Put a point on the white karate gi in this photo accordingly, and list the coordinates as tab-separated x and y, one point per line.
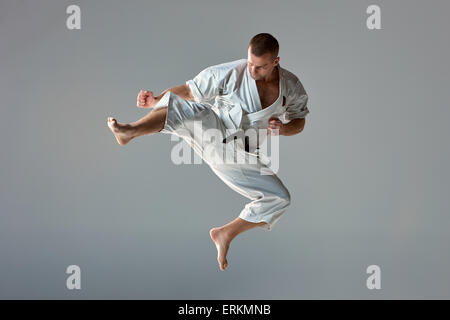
236	107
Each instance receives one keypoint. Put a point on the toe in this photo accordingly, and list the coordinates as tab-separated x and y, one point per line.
222	264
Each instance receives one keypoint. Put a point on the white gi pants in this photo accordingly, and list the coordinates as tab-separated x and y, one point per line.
269	197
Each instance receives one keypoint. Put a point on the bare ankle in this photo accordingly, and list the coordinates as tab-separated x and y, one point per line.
228	233
132	129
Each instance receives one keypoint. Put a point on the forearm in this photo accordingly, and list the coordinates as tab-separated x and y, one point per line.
295	126
182	90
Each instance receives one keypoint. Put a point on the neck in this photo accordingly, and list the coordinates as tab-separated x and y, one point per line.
273	76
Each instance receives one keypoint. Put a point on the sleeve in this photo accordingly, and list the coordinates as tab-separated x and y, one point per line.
205	86
297	108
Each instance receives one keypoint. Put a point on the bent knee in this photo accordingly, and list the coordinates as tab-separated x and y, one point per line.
285	196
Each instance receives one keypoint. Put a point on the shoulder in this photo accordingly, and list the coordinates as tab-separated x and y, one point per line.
223	69
232	64
293	83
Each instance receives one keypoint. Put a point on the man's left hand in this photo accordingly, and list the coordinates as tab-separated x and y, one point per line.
275	124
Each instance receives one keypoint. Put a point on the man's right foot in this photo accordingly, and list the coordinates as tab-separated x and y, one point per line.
121	131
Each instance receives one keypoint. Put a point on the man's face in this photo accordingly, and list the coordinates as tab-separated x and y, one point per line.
261	67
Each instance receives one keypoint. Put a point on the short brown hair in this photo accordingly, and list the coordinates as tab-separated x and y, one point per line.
264	43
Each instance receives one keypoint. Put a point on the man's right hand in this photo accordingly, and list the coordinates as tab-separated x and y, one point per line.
145	99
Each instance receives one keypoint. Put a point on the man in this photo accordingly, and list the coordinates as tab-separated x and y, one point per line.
254	92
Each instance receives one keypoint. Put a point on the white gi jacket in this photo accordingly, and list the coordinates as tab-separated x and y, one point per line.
236	97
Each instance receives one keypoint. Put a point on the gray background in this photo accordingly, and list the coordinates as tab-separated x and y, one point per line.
368	176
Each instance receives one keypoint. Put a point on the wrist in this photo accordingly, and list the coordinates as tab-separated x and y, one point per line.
155	101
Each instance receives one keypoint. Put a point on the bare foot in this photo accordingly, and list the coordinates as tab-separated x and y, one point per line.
121	131
222	242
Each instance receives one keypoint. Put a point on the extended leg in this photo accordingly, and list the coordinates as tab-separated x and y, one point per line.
151	123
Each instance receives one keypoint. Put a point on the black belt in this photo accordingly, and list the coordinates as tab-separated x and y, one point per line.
246	142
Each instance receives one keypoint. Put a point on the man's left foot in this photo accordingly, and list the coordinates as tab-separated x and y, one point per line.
121	131
222	242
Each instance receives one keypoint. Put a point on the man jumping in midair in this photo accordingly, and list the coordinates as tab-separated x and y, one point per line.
248	93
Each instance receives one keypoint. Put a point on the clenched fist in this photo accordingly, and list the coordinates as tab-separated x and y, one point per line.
274	123
145	99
